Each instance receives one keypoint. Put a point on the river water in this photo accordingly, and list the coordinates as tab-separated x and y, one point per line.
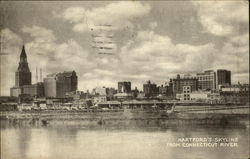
79	143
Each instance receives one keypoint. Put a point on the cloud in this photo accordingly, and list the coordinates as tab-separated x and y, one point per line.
140	55
241	77
43	51
43	41
117	14
221	17
50	53
163	53
41	35
87	84
153	25
240	40
149	56
10	50
156	57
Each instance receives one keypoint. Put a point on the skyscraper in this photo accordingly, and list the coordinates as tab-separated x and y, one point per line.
23	74
124	87
58	84
23	84
207	80
150	89
180	84
223	78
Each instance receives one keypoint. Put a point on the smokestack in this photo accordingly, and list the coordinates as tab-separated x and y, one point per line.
41	75
36	75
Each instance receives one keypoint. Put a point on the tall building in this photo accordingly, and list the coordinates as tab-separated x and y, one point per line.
23	84
170	88
223	78
58	84
207	80
163	90
110	93
23	74
124	87
213	80
179	84
150	89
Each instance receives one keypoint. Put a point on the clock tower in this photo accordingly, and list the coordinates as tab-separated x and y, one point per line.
23	74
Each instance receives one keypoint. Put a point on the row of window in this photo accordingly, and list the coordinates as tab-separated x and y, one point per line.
187	83
186	87
205	77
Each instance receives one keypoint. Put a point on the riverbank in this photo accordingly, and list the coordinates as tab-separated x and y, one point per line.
191	116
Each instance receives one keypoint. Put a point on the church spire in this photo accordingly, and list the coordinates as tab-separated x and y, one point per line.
23	74
23	64
23	53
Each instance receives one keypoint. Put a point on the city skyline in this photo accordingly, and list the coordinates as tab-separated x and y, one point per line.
58	37
208	80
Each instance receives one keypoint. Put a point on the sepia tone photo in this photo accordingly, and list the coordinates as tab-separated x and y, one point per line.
124	79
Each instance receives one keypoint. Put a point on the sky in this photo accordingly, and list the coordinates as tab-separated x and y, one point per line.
150	40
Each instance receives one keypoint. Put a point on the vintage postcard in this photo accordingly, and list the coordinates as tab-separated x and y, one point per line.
124	79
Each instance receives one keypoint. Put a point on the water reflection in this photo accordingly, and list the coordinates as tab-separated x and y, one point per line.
24	136
73	143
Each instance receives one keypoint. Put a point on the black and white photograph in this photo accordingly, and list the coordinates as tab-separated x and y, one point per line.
124	79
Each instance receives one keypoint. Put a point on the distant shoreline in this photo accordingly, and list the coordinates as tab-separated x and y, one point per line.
128	118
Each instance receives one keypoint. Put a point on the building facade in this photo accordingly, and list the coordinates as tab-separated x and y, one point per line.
15	91
163	90
207	80
124	87
212	80
76	95
150	89
223	78
34	90
100	91
170	88
123	96
58	84
237	94
179	83
110	93
99	98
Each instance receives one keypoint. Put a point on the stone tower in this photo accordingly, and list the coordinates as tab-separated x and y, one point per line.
23	74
